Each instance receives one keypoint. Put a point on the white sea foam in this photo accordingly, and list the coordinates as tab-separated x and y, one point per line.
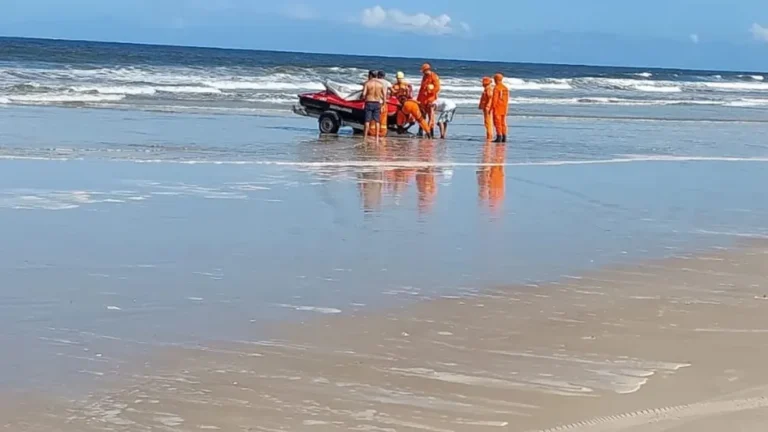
519	84
321	310
474	86
64	98
32	199
458	86
265	85
449	164
273	99
550	386
235	85
188	89
658	89
748	103
629	84
736	86
117	90
391	165
604	101
734	234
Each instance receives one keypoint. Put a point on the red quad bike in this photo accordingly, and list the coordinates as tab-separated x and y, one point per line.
333	109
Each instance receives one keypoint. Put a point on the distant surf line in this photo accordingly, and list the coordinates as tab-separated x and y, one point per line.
407	164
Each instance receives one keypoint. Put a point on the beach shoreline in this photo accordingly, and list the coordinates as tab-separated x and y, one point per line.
672	344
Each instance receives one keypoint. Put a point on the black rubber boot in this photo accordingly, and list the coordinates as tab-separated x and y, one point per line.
498	139
503	138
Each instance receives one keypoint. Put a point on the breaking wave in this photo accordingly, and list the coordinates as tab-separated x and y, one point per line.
752	77
238	88
62	98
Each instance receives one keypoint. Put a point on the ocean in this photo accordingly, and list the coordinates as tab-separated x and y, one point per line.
177	79
178	246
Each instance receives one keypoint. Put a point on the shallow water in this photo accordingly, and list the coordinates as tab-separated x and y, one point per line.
127	230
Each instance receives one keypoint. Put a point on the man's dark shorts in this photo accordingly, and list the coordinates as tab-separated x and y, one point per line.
372	112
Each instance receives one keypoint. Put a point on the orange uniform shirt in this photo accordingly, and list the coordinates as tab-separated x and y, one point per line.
403	90
486	98
427	96
500	103
485	101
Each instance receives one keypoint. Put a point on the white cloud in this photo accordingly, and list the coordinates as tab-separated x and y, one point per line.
759	32
694	38
394	19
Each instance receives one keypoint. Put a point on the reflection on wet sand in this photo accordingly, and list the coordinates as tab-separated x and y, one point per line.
426	183
394	180
490	176
374	182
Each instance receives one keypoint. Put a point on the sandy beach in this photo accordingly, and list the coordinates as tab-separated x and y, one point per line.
666	345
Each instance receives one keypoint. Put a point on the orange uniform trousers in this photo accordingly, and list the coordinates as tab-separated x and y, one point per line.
499	122
500	105
411	110
488	120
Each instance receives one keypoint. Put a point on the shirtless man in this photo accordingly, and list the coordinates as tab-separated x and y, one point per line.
373	94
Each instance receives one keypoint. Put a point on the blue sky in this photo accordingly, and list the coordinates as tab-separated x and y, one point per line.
717	34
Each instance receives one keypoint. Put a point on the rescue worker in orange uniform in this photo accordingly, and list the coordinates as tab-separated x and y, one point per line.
486	107
428	92
402	88
383	119
410	112
500	106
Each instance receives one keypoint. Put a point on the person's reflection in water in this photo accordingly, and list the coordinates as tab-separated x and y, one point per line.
490	176
370	180
398	178
426	181
370	184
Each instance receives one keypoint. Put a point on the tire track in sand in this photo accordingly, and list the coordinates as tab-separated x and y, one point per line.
667	414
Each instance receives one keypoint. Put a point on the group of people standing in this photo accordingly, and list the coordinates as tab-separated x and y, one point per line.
494	103
428	108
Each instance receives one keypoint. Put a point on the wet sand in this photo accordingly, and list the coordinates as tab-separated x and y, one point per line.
668	345
127	255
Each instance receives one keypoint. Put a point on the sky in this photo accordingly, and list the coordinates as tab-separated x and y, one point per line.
702	34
